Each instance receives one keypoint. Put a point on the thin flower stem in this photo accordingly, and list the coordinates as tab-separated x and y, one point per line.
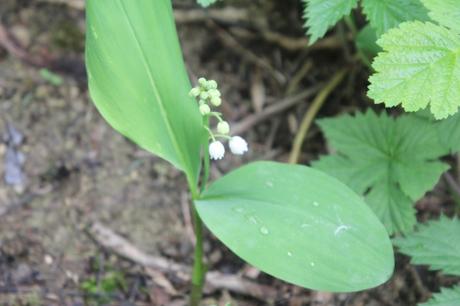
211	135
223	136
205	176
217	115
199	269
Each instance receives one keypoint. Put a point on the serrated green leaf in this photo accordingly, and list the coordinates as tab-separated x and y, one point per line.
449	132
436	244
291	221
420	65
206	3
386	14
447	297
138	81
392	206
366	41
394	160
320	15
446	12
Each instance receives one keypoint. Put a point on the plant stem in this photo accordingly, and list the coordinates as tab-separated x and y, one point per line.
311	113
350	22
199	269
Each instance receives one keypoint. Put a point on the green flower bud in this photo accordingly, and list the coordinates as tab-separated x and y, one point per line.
204	95
211	84
214	93
195	92
216	101
202	82
205	109
223	127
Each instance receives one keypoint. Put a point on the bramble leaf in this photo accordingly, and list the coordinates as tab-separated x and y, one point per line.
386	14
449	132
320	15
392	160
420	65
291	221
436	243
138	81
447	297
366	41
446	12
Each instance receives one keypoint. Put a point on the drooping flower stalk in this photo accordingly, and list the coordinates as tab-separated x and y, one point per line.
208	96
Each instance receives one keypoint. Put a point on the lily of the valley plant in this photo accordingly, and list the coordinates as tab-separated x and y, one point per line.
290	221
208	95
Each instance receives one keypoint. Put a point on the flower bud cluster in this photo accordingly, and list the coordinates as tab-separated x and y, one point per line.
208	96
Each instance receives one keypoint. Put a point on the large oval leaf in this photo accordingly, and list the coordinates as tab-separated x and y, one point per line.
138	81
299	225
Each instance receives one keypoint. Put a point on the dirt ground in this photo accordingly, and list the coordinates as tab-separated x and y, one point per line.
67	169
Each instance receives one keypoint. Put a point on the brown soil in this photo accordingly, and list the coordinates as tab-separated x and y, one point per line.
78	170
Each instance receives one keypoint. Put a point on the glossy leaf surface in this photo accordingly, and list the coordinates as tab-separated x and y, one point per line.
138	81
300	225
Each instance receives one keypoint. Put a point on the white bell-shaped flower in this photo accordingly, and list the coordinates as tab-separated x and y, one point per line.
216	150
238	145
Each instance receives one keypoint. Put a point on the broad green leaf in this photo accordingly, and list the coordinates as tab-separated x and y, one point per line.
300	225
447	297
446	12
386	14
320	15
366	41
392	161
449	132
420	65
436	244
206	3
138	81
392	206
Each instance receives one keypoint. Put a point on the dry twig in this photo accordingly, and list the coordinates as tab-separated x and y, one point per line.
274	109
214	279
75	4
13	48
286	42
233	44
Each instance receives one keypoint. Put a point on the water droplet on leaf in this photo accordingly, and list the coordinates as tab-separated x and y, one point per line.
264	230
